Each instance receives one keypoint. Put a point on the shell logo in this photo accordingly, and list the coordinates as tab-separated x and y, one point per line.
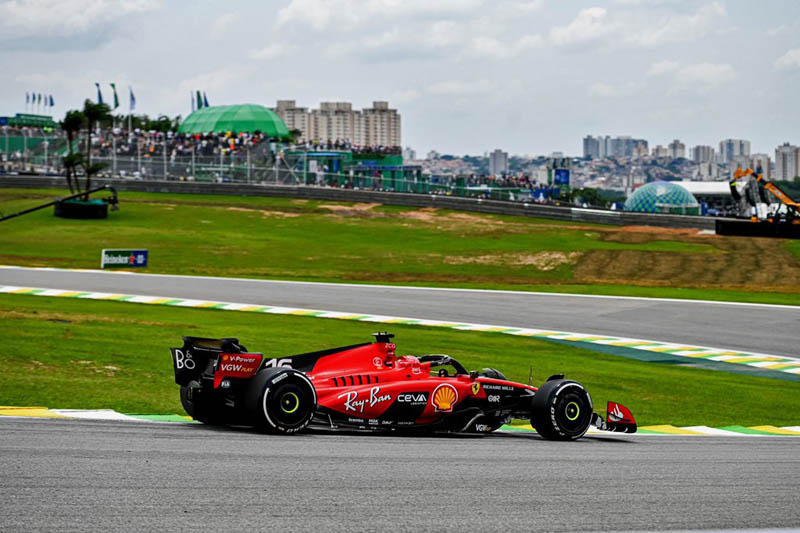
444	397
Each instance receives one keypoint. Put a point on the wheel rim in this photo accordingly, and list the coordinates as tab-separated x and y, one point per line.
572	411
289	403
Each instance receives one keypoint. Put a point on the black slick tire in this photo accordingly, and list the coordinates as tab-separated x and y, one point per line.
199	407
280	400
562	410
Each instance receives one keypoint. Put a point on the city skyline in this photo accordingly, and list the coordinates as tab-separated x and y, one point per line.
467	76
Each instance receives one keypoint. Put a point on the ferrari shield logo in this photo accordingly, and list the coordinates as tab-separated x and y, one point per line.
476	388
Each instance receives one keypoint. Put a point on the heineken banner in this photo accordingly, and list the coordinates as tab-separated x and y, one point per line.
118	258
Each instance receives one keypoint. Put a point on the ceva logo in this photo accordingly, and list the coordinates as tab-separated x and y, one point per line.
444	397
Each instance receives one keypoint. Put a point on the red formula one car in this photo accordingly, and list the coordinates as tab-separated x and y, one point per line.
367	386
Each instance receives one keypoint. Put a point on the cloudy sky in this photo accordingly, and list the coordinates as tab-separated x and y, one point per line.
468	76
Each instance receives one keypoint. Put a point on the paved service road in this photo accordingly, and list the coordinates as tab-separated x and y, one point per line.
757	328
68	475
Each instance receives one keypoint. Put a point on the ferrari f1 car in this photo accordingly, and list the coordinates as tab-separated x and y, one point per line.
367	386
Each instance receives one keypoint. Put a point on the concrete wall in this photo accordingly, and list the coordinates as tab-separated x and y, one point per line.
574	214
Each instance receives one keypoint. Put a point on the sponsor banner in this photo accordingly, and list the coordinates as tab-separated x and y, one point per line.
123	258
236	365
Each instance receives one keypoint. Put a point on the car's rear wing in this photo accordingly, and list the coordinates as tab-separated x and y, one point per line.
199	356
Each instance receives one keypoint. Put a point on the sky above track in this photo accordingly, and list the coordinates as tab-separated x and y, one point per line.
467	76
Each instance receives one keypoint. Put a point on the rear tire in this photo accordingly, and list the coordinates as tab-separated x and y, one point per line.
200	408
562	410
281	400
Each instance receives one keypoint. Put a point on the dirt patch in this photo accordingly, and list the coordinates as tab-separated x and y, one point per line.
742	262
299	202
345	210
544	261
643	234
74	318
264	212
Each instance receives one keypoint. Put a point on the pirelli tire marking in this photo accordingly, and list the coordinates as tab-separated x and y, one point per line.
272	383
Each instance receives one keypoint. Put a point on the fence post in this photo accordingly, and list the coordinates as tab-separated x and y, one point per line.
165	156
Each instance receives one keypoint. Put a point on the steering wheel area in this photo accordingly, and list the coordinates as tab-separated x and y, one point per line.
437	360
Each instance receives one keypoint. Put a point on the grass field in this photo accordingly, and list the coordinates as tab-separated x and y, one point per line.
323	241
91	354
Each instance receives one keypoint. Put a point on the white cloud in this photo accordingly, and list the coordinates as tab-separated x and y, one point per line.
789	60
272	51
319	14
663	67
213	83
528	7
705	75
610	90
463	87
64	18
403	97
591	24
221	26
597	25
494	48
679	28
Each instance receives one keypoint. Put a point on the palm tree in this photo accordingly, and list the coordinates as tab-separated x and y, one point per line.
71	124
94	113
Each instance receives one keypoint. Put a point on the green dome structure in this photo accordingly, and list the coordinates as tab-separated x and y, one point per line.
662	197
246	118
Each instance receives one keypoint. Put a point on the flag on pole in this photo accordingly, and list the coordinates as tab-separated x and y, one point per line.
205	100
132	99
199	100
194	104
99	94
51	101
116	98
27	98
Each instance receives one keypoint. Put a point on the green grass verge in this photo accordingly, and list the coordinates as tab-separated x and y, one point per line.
83	354
281	238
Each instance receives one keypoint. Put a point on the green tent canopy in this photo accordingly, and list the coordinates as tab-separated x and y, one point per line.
237	118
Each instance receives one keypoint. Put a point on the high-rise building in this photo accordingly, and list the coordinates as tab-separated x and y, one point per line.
409	154
676	149
338	121
295	118
381	125
498	162
623	146
761	161
702	154
786	162
591	146
730	148
660	151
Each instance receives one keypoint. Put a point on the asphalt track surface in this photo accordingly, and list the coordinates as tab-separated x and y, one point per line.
69	475
755	328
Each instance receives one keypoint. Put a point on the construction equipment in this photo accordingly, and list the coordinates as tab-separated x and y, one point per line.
771	212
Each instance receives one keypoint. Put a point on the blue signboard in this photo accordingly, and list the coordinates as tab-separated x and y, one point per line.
561	176
123	258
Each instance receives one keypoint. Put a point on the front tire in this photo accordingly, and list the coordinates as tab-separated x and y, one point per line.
562	410
281	400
